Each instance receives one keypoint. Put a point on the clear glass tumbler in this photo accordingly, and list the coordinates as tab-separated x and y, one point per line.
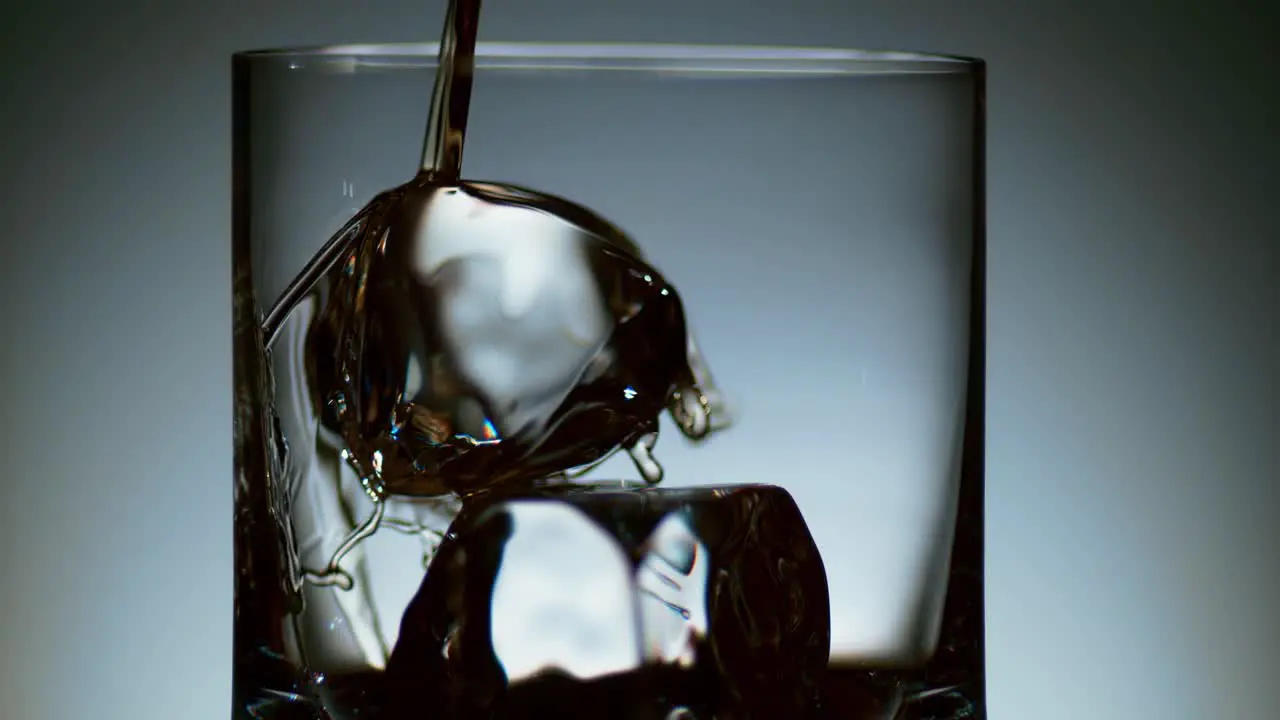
822	214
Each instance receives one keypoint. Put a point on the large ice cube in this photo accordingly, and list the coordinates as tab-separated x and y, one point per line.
606	602
480	335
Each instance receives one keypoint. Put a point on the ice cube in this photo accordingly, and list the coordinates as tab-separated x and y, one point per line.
483	335
600	601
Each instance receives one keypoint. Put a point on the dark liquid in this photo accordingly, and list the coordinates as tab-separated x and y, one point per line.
848	695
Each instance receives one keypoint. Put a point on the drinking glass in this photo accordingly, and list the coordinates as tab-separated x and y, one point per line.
821	213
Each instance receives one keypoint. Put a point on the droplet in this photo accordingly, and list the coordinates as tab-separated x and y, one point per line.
641	453
691	411
681	712
697	405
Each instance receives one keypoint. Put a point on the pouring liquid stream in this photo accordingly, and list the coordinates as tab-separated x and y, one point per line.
441	165
451	99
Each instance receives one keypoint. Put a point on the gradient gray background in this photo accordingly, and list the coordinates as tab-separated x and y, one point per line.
1132	406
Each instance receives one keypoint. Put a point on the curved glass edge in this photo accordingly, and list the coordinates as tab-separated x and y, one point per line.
652	57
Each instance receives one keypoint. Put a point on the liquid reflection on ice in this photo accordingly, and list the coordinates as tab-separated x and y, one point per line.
562	598
521	312
565	597
672	585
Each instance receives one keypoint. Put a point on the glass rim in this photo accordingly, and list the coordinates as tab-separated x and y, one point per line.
630	56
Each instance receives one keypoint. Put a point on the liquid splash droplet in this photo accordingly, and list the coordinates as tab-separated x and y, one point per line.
691	411
641	453
696	404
